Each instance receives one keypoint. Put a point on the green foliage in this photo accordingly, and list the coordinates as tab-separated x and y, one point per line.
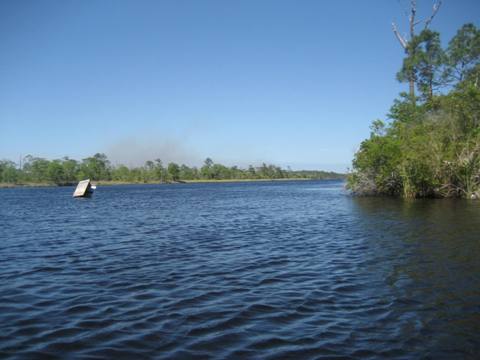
96	167
35	169
463	53
173	171
122	173
8	172
68	171
55	172
206	169
431	147
431	59
405	110
424	62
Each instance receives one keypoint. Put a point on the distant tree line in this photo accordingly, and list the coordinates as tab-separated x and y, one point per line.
430	147
98	168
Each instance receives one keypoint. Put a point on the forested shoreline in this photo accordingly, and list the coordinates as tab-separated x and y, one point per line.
430	144
67	171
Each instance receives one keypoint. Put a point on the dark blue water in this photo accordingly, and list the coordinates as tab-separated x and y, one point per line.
295	270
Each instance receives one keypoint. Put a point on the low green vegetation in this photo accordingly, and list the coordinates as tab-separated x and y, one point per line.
430	144
67	171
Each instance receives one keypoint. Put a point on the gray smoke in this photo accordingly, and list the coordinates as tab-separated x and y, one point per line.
135	151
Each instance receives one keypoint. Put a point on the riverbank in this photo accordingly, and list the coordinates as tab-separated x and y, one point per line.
247	180
11	185
198	181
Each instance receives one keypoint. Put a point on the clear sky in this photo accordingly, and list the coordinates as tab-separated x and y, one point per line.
295	83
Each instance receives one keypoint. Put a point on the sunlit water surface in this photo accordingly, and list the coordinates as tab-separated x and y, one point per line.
293	270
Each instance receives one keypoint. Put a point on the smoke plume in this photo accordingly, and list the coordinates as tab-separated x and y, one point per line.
135	151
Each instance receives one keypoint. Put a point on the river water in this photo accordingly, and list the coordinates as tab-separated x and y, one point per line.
297	270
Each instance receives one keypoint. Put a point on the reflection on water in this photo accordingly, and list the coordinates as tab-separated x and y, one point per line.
432	266
247	270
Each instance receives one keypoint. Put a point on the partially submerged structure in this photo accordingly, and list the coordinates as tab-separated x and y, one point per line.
84	189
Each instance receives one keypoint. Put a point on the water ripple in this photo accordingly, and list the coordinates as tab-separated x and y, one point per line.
284	270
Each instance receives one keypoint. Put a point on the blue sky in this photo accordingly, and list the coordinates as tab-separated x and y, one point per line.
295	83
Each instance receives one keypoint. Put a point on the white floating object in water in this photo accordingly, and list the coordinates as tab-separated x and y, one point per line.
84	188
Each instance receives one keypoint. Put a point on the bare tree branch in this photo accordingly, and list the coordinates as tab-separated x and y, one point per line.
400	38
413	11
435	9
411	19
